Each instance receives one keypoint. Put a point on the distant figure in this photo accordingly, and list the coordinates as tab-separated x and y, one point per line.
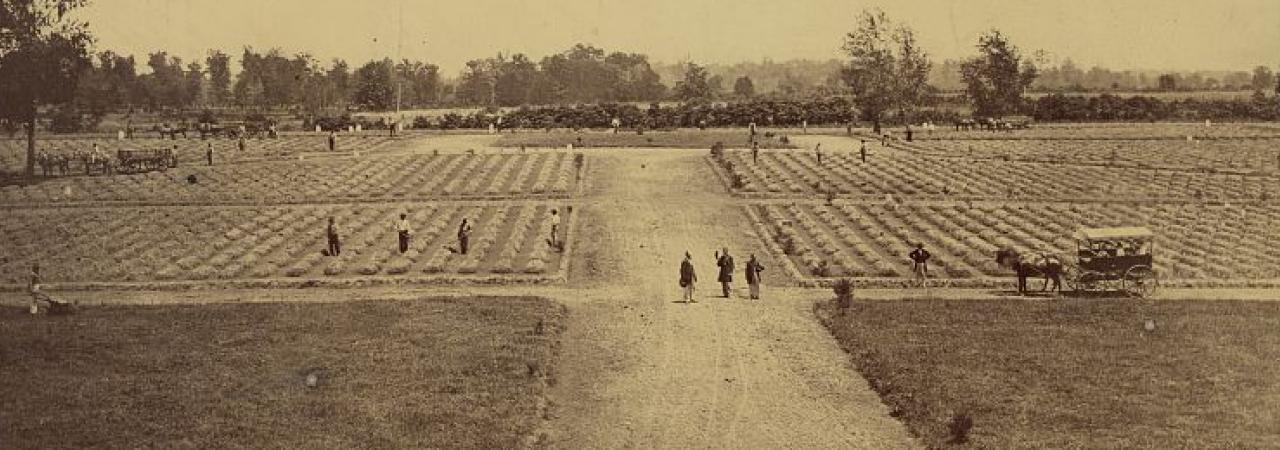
818	150
863	151
333	140
848	128
555	228
753	277
804	127
34	288
688	278
751	129
335	244
908	133
173	158
208	153
464	236
615	123
755	151
920	264
403	232
725	262
240	143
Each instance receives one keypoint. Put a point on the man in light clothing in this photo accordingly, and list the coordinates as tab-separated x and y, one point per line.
688	278
403	231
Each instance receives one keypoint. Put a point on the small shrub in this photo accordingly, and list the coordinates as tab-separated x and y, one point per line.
959	428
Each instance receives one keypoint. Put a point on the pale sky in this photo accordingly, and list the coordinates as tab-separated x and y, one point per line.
1118	34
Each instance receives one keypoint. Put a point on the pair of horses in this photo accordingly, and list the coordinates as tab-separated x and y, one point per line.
1029	265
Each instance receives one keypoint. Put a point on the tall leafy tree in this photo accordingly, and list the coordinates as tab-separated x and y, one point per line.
887	68
374	86
195	83
743	87
996	78
43	52
219	65
1263	78
695	85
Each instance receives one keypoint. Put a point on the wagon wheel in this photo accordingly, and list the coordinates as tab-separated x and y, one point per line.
1140	281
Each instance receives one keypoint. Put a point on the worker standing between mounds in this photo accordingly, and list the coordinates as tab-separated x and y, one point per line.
555	228
403	232
333	140
920	266
755	151
753	277
208	153
863	150
818	149
725	262
464	236
335	244
688	278
240	143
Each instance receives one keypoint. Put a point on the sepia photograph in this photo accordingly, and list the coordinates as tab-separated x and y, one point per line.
634	224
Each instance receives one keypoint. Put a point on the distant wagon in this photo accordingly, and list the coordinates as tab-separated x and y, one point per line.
1114	259
133	161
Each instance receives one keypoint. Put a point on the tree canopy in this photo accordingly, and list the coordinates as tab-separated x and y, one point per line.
996	78
887	68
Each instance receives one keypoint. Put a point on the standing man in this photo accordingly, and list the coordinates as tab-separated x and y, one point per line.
688	278
751	128
33	287
818	149
725	262
555	228
616	123
335	244
920	266
208	153
755	151
333	140
863	150
240	142
464	235
753	277
403	231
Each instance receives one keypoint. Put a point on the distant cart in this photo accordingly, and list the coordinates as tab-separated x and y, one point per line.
1114	259
133	161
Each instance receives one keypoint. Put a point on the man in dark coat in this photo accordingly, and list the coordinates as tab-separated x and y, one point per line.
688	278
335	244
753	277
920	264
725	262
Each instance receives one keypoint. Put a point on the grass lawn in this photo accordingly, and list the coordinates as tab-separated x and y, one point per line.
1073	374
683	138
390	374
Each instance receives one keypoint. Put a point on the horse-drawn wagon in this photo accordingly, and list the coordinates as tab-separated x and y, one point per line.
1113	259
146	160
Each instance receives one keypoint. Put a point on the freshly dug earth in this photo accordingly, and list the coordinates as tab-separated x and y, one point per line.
466	372
1078	374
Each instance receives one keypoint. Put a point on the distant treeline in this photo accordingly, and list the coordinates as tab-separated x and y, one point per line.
1106	108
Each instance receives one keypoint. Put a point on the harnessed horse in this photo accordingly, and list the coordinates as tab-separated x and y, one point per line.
1030	265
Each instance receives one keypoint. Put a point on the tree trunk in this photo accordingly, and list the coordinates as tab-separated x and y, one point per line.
31	144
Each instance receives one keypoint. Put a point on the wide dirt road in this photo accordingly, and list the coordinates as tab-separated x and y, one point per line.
640	370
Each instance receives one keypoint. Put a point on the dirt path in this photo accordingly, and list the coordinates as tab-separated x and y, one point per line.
639	370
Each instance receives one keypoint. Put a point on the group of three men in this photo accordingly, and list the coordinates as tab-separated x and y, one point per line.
689	277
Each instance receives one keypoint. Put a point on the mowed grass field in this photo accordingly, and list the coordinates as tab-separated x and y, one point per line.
457	373
683	138
1075	374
